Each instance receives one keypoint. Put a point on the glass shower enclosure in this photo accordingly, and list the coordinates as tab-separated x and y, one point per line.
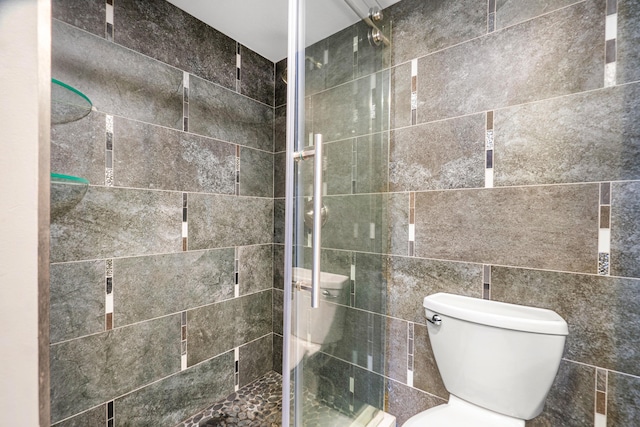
336	215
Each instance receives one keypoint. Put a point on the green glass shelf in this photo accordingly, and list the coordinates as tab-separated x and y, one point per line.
66	192
68	104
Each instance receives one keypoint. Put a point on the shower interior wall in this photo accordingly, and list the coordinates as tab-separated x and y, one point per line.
161	276
506	169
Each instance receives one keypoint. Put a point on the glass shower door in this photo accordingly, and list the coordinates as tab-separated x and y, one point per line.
337	157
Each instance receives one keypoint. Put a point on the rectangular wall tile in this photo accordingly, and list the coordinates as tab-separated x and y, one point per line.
280	129
164	32
281	86
571	399
228	116
176	282
349	110
113	222
370	222
411	279
91	370
426	375
396	349
279	174
256	359
148	156
515	66
623	399
418	25
372	168
83	14
222	221
551	227
400	96
255	268
278	266
78	148
256	173
277	353
93	417
510	12
625	229
179	396
77	299
128	84
446	154
256	76
552	141
278	309
628	42
405	402
217	328
278	220
579	299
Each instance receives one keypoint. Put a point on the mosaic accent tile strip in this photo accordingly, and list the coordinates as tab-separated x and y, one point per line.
412	223
491	17
185	222
108	306
185	101
183	341
237	170
601	397
611	32
353	279
414	91
238	66
604	230
236	273
109	20
489	144
108	176
236	376
486	281
110	414
410	353
354	167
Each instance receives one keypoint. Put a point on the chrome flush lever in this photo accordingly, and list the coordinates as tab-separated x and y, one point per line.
435	320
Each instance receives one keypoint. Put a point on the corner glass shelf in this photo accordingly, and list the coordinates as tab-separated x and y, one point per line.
68	104
66	192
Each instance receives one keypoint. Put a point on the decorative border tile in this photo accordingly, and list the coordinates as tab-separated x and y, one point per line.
601	397
489	147
491	16
108	306
108	174
611	32
109	21
604	230
414	91
185	101
412	223
410	353
486	281
185	222
183	341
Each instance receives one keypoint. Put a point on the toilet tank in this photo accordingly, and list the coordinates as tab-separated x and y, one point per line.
325	324
503	357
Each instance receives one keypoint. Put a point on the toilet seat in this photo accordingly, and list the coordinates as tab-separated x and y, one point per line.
459	413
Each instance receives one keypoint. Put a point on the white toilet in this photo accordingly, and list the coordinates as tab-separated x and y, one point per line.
318	327
497	360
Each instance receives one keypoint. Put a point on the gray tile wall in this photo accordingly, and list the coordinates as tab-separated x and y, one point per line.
527	81
176	195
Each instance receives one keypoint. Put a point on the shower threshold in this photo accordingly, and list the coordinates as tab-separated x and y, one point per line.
259	404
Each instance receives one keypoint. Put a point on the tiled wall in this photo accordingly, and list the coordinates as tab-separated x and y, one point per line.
161	276
509	170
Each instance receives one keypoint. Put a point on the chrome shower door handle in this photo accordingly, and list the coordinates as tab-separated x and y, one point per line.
317	221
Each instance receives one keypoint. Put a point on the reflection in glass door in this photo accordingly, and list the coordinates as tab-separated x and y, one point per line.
337	155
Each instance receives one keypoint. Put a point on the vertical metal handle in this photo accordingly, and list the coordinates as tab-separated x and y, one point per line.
317	222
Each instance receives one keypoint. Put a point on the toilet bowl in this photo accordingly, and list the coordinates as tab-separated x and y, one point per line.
497	360
317	327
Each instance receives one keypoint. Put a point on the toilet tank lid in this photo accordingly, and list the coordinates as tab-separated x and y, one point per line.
497	314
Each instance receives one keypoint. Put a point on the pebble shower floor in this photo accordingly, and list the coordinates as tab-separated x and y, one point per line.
259	404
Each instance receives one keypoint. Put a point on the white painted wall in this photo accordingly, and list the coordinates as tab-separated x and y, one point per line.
25	40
